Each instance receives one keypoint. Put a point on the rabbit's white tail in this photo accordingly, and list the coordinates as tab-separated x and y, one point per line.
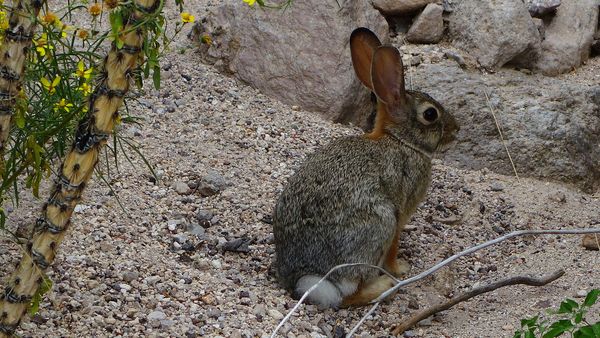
327	294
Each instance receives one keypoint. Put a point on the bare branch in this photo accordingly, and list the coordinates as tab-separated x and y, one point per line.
532	281
479	247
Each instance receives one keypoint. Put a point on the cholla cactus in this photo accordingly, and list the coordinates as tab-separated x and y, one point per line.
16	40
78	166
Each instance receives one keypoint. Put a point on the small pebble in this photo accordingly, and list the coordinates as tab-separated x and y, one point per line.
496	186
275	314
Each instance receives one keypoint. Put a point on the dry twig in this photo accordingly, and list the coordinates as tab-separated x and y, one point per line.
532	281
487	98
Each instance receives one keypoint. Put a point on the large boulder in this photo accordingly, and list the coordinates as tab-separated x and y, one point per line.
300	55
568	37
428	27
494	32
551	126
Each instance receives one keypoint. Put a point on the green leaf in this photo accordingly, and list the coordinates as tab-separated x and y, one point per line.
558	328
20	118
584	332
591	297
567	306
530	334
529	322
116	22
596	329
44	287
517	334
578	317
156	77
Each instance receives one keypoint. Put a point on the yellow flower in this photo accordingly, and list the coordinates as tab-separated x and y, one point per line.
82	72
250	2
206	39
64	28
41	44
83	34
63	105
85	88
187	17
49	18
95	9
50	86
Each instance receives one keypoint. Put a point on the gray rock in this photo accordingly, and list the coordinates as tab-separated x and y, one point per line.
211	184
205	217
181	188
457	58
151	280
551	126
259	310
238	245
539	24
395	7
275	314
166	323
156	315
494	32
496	186
428	27
173	223
541	8
129	276
568	38
196	230
180	238
214	313
301	56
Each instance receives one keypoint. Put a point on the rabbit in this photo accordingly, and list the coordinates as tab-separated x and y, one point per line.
348	202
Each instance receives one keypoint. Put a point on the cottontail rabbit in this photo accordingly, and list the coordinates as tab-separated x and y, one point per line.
349	201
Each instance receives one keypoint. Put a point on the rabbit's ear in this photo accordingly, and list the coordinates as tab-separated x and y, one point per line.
363	44
387	76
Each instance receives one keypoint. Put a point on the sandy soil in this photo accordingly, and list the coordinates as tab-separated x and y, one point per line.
163	266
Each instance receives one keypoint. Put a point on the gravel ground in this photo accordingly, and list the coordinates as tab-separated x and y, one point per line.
191	253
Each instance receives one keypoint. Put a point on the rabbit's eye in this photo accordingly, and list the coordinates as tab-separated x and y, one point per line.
430	114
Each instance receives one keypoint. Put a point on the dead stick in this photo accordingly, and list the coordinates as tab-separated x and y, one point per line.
532	281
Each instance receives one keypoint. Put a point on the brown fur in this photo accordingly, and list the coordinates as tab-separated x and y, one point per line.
382	120
369	291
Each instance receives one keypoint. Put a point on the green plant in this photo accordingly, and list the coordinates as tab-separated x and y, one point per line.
67	108
58	81
569	318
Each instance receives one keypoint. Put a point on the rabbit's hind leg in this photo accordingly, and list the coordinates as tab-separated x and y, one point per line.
395	266
369	291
